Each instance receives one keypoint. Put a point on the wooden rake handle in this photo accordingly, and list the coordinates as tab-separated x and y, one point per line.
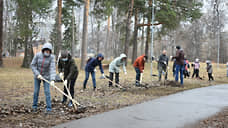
61	92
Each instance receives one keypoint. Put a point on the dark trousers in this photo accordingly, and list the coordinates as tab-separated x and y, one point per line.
186	73
160	71
137	82
196	72
210	76
111	74
70	86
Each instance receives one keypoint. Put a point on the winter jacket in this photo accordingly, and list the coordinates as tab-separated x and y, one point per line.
114	66
69	68
139	63
92	63
196	65
163	61
209	68
186	63
179	57
42	65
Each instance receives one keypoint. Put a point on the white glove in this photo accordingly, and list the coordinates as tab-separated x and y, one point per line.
40	77
94	70
61	75
103	75
52	83
125	73
65	82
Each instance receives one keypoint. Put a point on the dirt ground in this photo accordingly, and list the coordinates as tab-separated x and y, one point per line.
219	120
16	92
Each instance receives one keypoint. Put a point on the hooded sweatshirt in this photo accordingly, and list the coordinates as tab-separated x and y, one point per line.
93	62
44	65
116	63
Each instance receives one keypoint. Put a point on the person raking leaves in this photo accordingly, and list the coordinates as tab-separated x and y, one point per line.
43	67
114	67
68	71
90	67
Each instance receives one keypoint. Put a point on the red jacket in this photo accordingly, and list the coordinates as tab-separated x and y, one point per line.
139	63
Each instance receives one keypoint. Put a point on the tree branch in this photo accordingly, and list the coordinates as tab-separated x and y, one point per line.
141	25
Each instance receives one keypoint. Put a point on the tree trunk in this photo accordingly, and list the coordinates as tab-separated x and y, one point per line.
107	38
130	9
84	35
148	38
1	30
98	38
28	54
142	41
73	35
135	44
59	31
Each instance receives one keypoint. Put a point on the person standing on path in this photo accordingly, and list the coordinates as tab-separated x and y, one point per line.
68	71
162	65
114	67
186	68
43	67
179	64
90	67
209	70
196	68
139	68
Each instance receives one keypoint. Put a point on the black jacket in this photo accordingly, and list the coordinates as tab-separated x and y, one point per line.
69	68
163	61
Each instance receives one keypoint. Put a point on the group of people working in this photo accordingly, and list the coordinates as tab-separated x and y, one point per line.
43	67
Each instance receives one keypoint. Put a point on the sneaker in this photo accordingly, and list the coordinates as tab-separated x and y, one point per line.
94	89
48	112
137	84
70	104
34	110
63	101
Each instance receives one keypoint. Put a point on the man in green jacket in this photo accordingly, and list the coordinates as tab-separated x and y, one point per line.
69	72
114	67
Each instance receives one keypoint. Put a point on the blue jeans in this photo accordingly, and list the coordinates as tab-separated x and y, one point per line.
87	78
137	76
179	68
36	94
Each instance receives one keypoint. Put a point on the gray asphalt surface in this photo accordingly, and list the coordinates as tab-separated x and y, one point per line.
173	111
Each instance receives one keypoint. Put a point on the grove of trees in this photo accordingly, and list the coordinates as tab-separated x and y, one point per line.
113	27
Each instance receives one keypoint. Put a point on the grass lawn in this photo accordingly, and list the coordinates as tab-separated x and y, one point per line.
16	89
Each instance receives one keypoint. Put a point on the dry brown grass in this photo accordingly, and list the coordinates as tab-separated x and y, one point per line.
16	87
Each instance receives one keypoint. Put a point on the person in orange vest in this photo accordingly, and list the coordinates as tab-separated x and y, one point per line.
139	68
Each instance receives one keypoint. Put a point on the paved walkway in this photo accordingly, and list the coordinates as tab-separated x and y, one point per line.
173	111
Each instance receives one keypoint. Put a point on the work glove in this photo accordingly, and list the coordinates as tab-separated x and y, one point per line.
125	73
65	82
61	75
52	83
40	77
